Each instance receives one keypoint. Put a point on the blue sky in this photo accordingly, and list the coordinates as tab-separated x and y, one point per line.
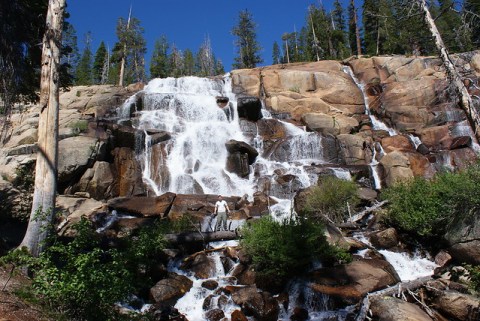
188	22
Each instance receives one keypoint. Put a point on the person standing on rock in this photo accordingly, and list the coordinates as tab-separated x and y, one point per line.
221	210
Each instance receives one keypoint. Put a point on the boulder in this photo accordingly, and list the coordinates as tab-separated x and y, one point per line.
96	181
249	108
144	206
75	155
215	315
396	166
393	309
234	146
238	315
397	143
167	291
246	82
384	239
200	264
261	305
350	282
327	124
355	149
464	239
458	306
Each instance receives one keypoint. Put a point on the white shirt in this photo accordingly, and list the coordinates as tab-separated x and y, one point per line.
221	206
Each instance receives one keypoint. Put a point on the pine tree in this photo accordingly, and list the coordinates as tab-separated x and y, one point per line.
471	13
248	48
219	69
275	54
68	54
83	74
22	23
370	19
337	16
205	59
99	63
159	61
189	62
339	37
175	62
449	24
353	29
130	36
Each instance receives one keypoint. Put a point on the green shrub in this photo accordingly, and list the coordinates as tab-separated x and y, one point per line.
428	208
284	249
474	277
79	126
82	280
331	198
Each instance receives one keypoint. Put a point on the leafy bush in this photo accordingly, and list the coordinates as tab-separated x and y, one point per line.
83	280
427	208
284	249
79	126
330	198
474	277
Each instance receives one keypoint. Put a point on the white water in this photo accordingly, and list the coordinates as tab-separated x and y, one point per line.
408	267
377	124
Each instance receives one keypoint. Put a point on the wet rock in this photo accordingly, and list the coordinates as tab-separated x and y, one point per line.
299	314
249	108
201	265
367	194
238	163
208	302
127	172
234	146
350	282
167	291
168	314
355	149
126	226
96	181
458	306
261	305
393	309
159	137
215	315
442	258
244	274
238	315
385	239
210	284
144	206
227	263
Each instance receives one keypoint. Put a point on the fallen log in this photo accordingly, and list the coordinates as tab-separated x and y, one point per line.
397	289
357	217
190	237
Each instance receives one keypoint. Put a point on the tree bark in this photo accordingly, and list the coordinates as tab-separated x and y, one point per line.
357	34
46	167
465	98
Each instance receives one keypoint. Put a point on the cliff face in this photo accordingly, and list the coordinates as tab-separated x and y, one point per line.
395	115
403	108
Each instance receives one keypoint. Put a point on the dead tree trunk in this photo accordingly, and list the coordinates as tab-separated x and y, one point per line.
465	98
46	167
357	34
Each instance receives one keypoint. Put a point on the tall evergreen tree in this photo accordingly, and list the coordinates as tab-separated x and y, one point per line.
449	24
130	36
248	48
99	63
471	13
219	69
175	63
83	74
338	16
354	30
205	59
275	54
189	62
339	37
159	61
69	53
22	23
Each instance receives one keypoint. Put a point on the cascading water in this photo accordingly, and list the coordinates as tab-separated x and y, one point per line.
195	157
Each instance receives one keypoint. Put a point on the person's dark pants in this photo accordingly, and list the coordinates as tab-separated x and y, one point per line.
221	218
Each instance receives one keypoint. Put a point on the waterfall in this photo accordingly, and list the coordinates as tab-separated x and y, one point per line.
377	124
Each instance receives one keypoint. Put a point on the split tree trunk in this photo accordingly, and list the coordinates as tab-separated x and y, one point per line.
465	98
46	167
